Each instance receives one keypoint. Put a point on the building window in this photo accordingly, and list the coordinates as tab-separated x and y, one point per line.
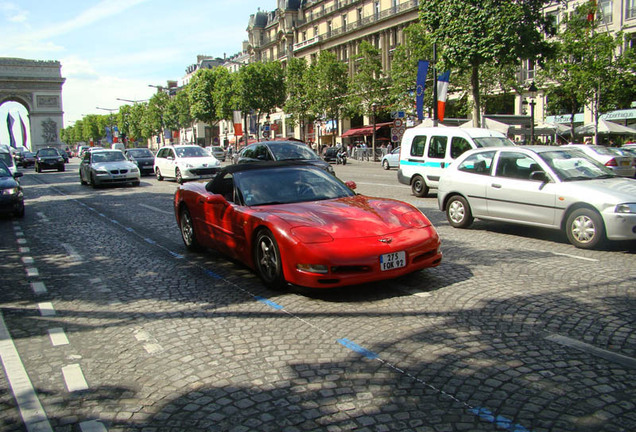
344	22
316	31
377	9
605	11
304	36
630	11
329	28
360	15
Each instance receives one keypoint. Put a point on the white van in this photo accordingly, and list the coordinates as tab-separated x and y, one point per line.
118	146
426	151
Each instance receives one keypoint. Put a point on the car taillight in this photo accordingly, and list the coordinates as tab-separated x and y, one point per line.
611	163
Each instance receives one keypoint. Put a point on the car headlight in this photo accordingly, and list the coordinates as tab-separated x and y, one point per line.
626	208
60	159
134	169
415	219
313	268
309	235
101	171
10	191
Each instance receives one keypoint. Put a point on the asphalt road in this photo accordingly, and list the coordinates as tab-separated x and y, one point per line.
109	324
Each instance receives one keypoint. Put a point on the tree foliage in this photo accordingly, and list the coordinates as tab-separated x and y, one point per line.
475	33
368	85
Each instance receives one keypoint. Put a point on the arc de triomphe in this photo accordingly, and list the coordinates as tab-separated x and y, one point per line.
37	85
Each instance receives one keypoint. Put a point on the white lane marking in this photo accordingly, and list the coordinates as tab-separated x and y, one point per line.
32	272
24	250
31	410
38	288
42	216
382	184
46	309
57	336
74	378
156	209
151	344
591	349
575	257
72	253
92	426
27	260
22	241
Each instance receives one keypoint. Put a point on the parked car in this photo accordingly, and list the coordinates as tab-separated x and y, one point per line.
427	151
144	158
273	151
64	155
185	162
629	151
552	187
218	152
27	159
296	223
48	158
7	157
107	167
11	195
391	160
611	157
330	154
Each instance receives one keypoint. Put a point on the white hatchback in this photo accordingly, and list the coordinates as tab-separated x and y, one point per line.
185	162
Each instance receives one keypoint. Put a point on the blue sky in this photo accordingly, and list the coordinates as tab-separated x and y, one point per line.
113	49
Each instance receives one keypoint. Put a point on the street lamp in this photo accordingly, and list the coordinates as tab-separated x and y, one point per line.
533	94
132	101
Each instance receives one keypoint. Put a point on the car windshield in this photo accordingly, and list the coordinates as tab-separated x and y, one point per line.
28	154
288	185
4	170
291	151
140	153
48	152
575	165
117	156
195	151
6	158
492	142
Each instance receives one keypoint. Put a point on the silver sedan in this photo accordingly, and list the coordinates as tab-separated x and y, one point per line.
552	187
102	167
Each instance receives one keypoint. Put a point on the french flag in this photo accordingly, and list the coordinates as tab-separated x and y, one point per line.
442	91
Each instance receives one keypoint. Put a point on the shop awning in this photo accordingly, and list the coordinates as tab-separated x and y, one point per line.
364	130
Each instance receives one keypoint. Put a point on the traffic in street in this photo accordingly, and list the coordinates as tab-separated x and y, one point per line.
110	323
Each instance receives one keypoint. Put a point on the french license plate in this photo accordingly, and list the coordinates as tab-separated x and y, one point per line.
392	261
624	163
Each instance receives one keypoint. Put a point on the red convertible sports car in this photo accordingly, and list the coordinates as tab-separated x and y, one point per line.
298	224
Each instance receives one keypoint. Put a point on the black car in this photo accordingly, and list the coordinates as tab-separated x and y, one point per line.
273	151
144	159
11	196
330	154
48	158
64	155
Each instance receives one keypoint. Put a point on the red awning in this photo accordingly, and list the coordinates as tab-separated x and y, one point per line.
364	130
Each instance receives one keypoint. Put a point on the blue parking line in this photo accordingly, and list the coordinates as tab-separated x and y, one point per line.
357	348
499	421
268	302
176	255
212	274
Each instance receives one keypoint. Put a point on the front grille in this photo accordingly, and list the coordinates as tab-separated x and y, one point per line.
124	171
350	269
204	171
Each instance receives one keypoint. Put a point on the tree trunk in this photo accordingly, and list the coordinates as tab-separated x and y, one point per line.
474	84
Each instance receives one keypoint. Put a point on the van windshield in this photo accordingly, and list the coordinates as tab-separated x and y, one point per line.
493	142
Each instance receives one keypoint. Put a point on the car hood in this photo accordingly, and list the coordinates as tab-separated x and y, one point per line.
617	189
7	182
200	161
352	217
114	165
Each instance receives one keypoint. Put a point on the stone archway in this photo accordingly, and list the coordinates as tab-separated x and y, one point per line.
37	85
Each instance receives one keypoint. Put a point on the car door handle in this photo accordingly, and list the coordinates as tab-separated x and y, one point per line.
496	185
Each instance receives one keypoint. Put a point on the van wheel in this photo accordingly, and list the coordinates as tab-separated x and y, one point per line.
419	187
158	174
385	164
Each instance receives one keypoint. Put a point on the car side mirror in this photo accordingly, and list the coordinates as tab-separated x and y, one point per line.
539	176
351	185
18	174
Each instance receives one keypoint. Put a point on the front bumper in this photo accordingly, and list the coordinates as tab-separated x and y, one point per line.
620	226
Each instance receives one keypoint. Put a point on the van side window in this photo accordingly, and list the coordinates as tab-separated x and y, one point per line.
437	147
417	147
458	146
479	163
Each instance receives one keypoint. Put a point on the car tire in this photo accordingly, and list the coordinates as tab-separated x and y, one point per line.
61	169
178	177
267	260
158	174
585	229
93	182
419	187
385	164
38	169
20	213
458	212
186	226
136	183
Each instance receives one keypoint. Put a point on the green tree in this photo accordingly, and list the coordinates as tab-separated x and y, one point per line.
136	129
298	101
155	115
475	33
586	69
368	85
201	96
329	87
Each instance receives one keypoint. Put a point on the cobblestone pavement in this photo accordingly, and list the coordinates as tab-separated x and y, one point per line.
109	324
